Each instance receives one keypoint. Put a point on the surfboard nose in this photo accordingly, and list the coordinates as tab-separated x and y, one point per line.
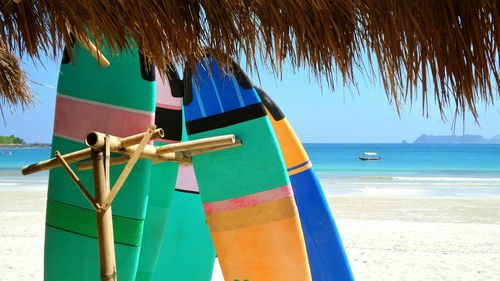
223	90
168	113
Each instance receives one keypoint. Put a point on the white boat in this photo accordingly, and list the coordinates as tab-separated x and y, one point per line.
370	156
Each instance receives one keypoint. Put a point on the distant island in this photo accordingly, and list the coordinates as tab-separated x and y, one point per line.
465	139
13	141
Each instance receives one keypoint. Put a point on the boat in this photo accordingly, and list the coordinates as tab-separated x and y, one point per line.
370	156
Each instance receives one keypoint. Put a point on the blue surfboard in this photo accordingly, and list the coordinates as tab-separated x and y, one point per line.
326	253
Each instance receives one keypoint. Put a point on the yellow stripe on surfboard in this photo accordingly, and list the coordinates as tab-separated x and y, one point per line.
289	142
253	229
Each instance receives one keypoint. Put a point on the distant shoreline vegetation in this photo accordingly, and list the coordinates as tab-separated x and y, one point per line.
13	141
465	139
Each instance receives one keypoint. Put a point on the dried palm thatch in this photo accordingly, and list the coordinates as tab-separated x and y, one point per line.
449	48
13	88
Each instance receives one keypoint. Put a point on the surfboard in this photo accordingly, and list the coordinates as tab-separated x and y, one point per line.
118	100
246	193
187	252
168	116
327	257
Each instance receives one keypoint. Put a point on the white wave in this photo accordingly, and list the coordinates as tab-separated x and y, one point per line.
446	179
10	184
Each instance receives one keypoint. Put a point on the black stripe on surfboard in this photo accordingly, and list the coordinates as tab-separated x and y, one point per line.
270	105
241	76
176	84
88	236
187	94
225	119
65	57
147	68
170	121
187	191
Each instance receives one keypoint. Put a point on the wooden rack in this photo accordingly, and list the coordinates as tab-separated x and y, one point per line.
132	149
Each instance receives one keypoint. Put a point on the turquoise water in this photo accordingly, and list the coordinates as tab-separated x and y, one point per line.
11	162
409	169
405	169
407	159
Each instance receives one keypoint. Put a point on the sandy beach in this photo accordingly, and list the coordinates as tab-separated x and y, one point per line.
386	238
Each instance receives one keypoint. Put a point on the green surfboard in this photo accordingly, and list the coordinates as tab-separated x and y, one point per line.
187	252
176	241
168	116
119	100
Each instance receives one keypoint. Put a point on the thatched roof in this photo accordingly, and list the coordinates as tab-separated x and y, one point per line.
13	88
449	48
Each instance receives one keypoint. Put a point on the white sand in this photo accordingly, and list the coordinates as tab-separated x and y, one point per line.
420	238
22	219
386	238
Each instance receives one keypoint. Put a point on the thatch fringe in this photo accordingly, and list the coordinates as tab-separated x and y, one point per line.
451	47
448	48
13	87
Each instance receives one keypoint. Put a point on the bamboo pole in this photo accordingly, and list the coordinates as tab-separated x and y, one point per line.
175	152
104	219
170	157
149	151
89	46
53	162
97	140
77	181
87	165
195	152
197	144
85	153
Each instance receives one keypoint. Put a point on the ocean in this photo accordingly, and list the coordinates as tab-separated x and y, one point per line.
11	162
449	170
439	170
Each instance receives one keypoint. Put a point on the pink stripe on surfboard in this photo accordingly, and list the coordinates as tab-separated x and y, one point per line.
249	200
75	118
164	98
186	179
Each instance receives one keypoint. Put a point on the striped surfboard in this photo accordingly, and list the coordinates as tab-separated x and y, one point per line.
325	250
118	100
168	116
245	191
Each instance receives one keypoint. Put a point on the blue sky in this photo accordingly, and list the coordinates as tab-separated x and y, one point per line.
318	114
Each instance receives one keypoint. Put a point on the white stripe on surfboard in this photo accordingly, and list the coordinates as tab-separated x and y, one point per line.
198	99
216	93
238	93
68	138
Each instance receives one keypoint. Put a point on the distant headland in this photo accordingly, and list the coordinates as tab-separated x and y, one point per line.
464	139
13	141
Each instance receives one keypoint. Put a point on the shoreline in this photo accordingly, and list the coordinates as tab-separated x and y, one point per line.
42	145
